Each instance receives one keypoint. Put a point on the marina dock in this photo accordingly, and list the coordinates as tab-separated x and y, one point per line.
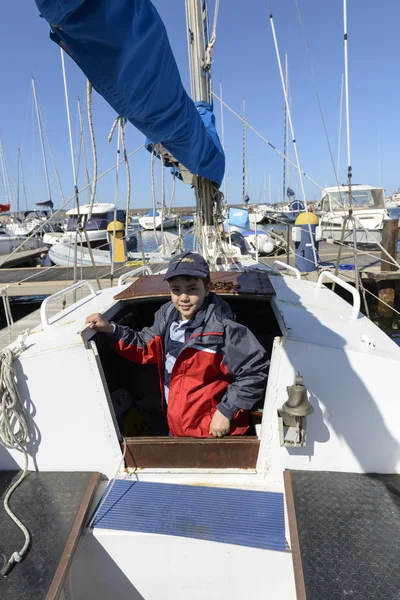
368	261
43	281
32	282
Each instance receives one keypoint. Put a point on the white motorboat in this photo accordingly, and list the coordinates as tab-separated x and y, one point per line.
9	242
250	240
153	220
369	210
68	250
257	213
32	221
96	227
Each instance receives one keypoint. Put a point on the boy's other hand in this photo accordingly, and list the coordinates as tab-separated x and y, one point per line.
97	322
220	425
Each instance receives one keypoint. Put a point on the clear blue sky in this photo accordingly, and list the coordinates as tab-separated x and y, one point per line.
245	63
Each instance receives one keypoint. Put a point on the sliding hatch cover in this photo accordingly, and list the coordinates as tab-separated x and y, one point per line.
249	283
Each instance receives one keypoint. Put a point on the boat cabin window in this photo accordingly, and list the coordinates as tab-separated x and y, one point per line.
136	397
361	200
72	223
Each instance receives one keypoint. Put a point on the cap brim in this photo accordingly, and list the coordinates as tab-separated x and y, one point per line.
187	273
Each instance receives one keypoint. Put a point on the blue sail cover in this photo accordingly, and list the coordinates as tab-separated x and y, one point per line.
123	49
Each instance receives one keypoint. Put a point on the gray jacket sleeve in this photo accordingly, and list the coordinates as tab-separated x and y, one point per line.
247	362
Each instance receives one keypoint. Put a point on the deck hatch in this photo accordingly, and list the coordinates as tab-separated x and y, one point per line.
236	283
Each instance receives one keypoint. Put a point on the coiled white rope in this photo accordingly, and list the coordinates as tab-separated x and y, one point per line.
14	436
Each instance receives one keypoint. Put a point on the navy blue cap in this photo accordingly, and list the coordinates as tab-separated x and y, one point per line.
187	263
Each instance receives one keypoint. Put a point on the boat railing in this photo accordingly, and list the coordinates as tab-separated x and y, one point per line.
72	288
144	269
288	268
355	293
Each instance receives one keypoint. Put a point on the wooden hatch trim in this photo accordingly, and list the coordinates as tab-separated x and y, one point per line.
233	283
294	538
234	452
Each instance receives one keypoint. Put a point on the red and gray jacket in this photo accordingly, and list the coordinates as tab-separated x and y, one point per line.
220	366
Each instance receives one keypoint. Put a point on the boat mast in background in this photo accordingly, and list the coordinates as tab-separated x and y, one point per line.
39	120
245	197
286	132
20	169
5	175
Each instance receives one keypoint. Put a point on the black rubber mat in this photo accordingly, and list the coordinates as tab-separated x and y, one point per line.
48	504
349	532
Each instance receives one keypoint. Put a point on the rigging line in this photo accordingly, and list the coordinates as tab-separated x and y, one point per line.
112	249
40	125
291	128
94	149
340	125
162	202
153	191
40	227
128	175
172	193
316	91
72	161
80	144
83	149
274	148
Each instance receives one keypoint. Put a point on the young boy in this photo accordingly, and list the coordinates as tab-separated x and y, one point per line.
212	370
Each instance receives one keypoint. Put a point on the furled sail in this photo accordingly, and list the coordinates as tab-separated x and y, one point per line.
123	49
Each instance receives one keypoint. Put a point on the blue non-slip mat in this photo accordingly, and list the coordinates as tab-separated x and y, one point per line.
245	518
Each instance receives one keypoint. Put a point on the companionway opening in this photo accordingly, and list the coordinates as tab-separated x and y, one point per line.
137	402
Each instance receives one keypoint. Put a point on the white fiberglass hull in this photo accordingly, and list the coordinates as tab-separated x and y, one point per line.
363	238
149	222
63	255
55	237
8	243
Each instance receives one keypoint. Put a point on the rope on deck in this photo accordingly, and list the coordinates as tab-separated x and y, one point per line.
14	435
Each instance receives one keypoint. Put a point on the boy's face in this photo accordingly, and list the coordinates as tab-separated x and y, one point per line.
188	294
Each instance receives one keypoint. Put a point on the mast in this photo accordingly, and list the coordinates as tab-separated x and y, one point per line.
244	178
6	177
207	193
18	183
41	138
286	132
3	173
269	188
22	177
265	188
346	88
